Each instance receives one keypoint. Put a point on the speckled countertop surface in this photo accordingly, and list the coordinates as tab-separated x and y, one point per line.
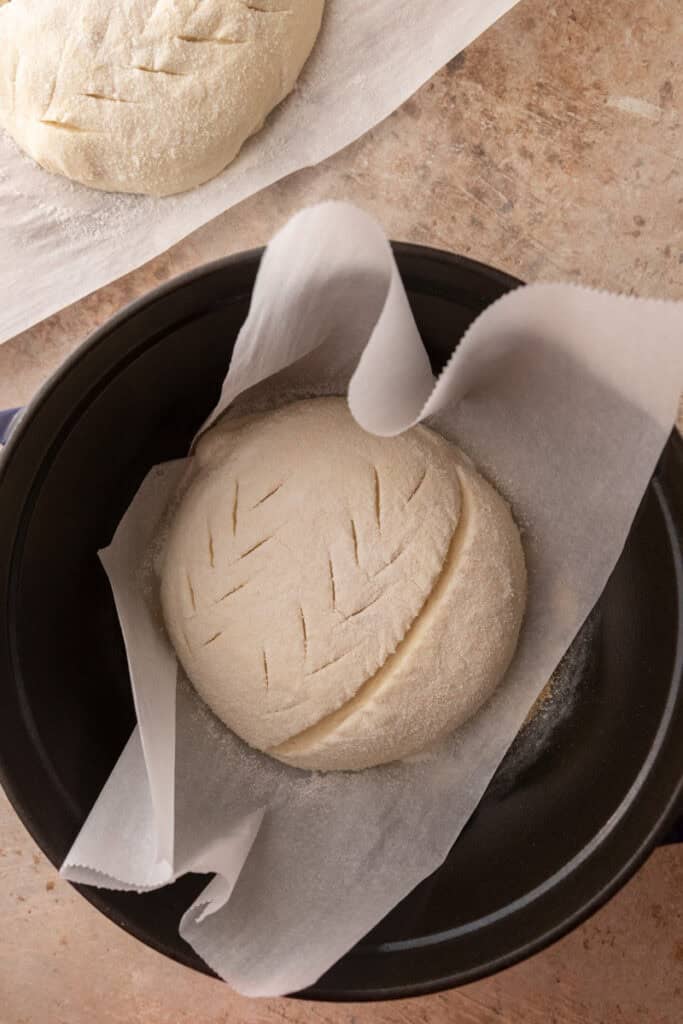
553	148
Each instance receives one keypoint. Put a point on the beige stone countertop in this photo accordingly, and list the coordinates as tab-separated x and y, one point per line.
552	148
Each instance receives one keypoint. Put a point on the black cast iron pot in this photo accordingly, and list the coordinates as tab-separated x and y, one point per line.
564	823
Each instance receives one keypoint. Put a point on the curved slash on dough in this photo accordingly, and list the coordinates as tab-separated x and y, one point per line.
327	725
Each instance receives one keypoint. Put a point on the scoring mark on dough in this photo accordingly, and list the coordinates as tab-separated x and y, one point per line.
333	584
328	663
67	126
378	499
235	502
397	554
417	486
222	40
191	592
354	536
254	547
304	630
153	71
266	496
252	5
358	611
101	96
265	669
212	638
231	592
212	554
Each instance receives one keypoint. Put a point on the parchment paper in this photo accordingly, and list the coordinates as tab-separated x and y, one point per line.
564	398
66	240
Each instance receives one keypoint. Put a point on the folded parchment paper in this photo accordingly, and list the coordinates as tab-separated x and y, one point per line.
371	56
564	397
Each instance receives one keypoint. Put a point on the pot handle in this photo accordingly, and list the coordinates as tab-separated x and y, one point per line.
8	418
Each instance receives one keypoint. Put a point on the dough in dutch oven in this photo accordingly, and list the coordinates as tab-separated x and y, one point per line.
340	600
152	96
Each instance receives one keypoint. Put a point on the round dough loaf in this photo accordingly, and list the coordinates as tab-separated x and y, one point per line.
338	599
152	96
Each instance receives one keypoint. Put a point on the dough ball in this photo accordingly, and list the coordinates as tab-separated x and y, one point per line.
338	599
152	96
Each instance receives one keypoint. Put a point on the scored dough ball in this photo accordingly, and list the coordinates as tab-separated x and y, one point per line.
152	96
340	600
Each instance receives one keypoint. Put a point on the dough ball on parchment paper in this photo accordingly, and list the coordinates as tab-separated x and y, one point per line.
150	96
338	599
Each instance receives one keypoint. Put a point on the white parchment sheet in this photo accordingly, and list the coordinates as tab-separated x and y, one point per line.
60	241
564	398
